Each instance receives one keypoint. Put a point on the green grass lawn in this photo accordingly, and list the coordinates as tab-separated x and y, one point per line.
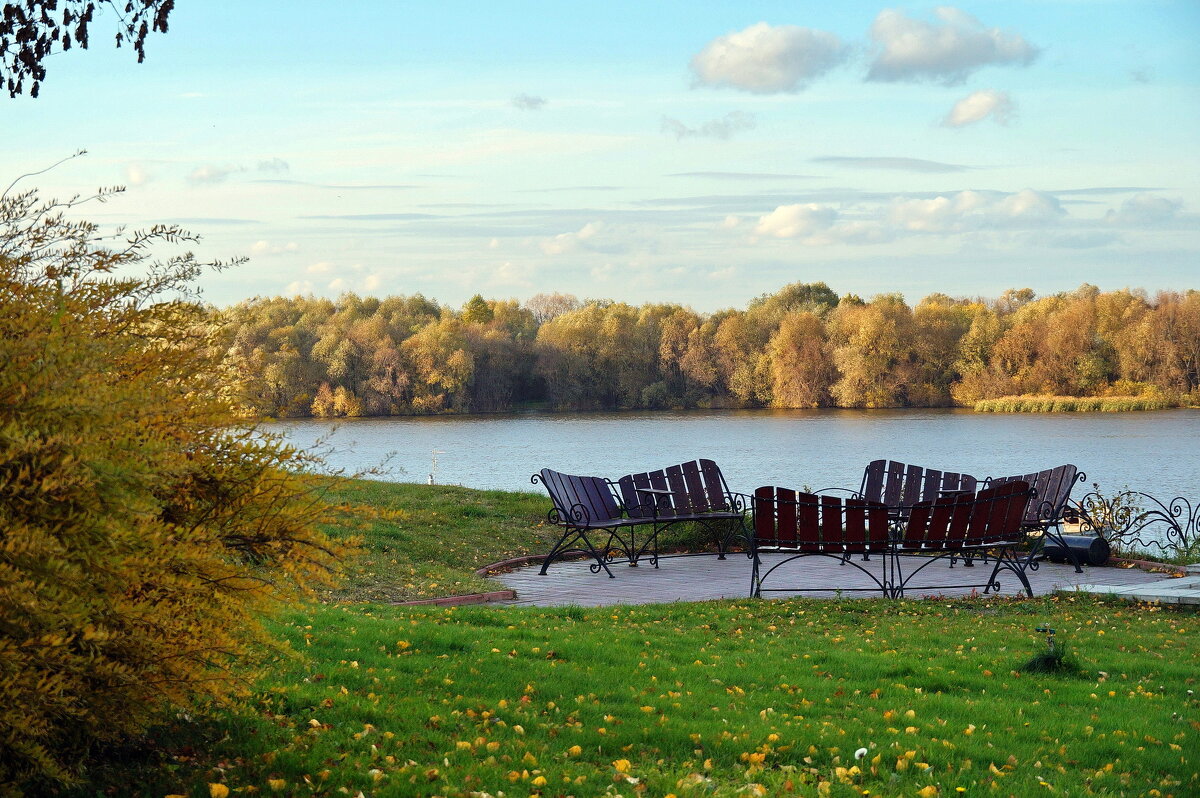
422	541
711	699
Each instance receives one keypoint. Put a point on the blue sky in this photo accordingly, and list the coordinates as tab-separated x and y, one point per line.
692	152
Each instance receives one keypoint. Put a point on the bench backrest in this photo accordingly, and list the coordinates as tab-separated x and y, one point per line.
1053	488
579	500
696	487
994	515
899	484
807	522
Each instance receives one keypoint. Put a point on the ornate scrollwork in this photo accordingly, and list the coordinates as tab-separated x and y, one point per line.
580	516
737	502
1136	520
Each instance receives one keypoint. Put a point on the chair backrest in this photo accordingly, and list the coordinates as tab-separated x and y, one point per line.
993	515
695	487
808	522
579	500
899	484
1053	488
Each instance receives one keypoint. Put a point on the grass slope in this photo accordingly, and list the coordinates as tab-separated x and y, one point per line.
422	541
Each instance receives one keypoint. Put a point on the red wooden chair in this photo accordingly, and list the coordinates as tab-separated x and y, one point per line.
1045	513
799	525
990	522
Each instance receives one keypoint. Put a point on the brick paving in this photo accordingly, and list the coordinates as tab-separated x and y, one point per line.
703	578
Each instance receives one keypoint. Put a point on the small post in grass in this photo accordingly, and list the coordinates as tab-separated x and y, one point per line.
1054	659
1046	630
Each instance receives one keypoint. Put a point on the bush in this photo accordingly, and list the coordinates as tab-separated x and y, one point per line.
143	523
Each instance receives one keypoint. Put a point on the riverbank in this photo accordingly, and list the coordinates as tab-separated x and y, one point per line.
426	541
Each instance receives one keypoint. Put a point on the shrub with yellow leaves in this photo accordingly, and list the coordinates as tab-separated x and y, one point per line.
144	522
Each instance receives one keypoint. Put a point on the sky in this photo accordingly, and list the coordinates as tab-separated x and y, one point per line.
695	152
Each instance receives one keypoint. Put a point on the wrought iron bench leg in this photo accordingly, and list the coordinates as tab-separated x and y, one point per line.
1008	559
755	585
570	537
1057	536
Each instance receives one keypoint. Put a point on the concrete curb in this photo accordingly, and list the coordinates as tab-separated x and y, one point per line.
453	601
495	595
526	560
1150	565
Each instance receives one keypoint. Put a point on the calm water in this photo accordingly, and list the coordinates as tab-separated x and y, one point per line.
1153	451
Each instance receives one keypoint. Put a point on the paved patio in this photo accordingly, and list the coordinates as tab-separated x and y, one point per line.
701	578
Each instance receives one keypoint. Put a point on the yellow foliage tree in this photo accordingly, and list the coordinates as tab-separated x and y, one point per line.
144	525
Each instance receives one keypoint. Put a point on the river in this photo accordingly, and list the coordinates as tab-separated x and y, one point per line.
1155	452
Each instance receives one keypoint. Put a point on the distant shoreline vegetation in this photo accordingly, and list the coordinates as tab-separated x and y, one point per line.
801	347
1071	404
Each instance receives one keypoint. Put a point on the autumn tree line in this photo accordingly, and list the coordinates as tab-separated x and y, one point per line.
802	347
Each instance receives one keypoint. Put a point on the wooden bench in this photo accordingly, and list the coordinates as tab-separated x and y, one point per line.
693	492
582	504
951	526
903	485
989	523
1045	513
801	525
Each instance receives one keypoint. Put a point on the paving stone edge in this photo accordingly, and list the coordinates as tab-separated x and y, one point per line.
469	598
1150	565
526	560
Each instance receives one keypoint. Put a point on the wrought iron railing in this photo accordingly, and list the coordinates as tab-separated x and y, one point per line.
1134	521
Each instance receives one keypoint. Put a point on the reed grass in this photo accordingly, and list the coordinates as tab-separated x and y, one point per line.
1071	404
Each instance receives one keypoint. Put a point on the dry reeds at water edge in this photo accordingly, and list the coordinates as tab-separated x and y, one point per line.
1071	404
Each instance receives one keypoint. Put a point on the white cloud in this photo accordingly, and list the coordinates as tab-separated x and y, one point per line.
267	248
974	210
494	243
796	221
528	102
855	232
137	175
566	242
820	225
337	284
298	287
1084	239
1027	207
320	267
211	173
372	282
273	165
1145	210
731	221
765	59
946	51
979	105
722	128
917	165
508	275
